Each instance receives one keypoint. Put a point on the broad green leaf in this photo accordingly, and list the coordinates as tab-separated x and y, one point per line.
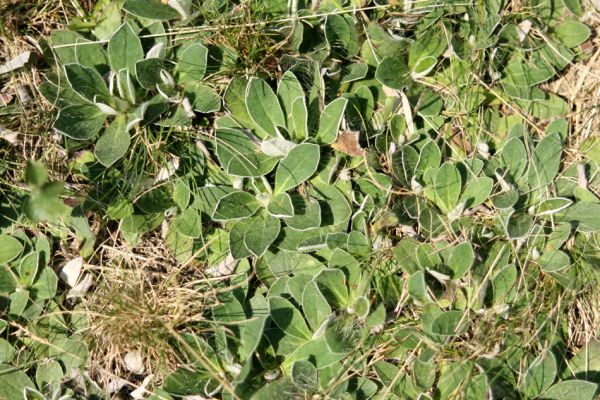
239	155
335	208
290	262
299	165
28	268
332	284
48	373
236	205
354	72
572	33
191	63
404	164
235	99
125	49
288	318
514	156
114	142
281	206
188	223
330	120
552	206
261	233
45	285
461	259
315	306
545	162
430	157
148	72
263	107
13	381
554	261
150	9
540	375
237	247
447	186
71	47
288	91
584	214
450	323
203	98
87	82
10	248
304	375
278	389
571	390
81	122
317	351
585	364
417	288
574	6
307	213
477	191
393	72
503	284
252	332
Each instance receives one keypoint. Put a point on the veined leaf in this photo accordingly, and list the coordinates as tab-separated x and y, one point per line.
288	318
330	120
236	205
261	232
114	142
263	107
125	49
299	165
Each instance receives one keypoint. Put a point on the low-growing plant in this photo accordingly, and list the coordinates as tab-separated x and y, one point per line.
386	204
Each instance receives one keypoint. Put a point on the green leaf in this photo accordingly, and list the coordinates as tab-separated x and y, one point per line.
236	205
335	208
148	72
191	63
299	165
288	91
540	375
80	122
45	285
461	259
554	261
417	288
150	9
12	383
87	82
261	233
514	156
114	142
572	390
307	213
332	284
288	318
450	323
447	186
239	155
188	223
304	375
281	206
330	120
393	72
10	248
545	162
237	247
28	268
315	306
235	99
572	33
477	191
203	98
125	49
585	364
263	107
298	125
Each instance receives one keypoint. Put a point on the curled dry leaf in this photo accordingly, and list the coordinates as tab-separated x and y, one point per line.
70	272
134	362
347	142
15	63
